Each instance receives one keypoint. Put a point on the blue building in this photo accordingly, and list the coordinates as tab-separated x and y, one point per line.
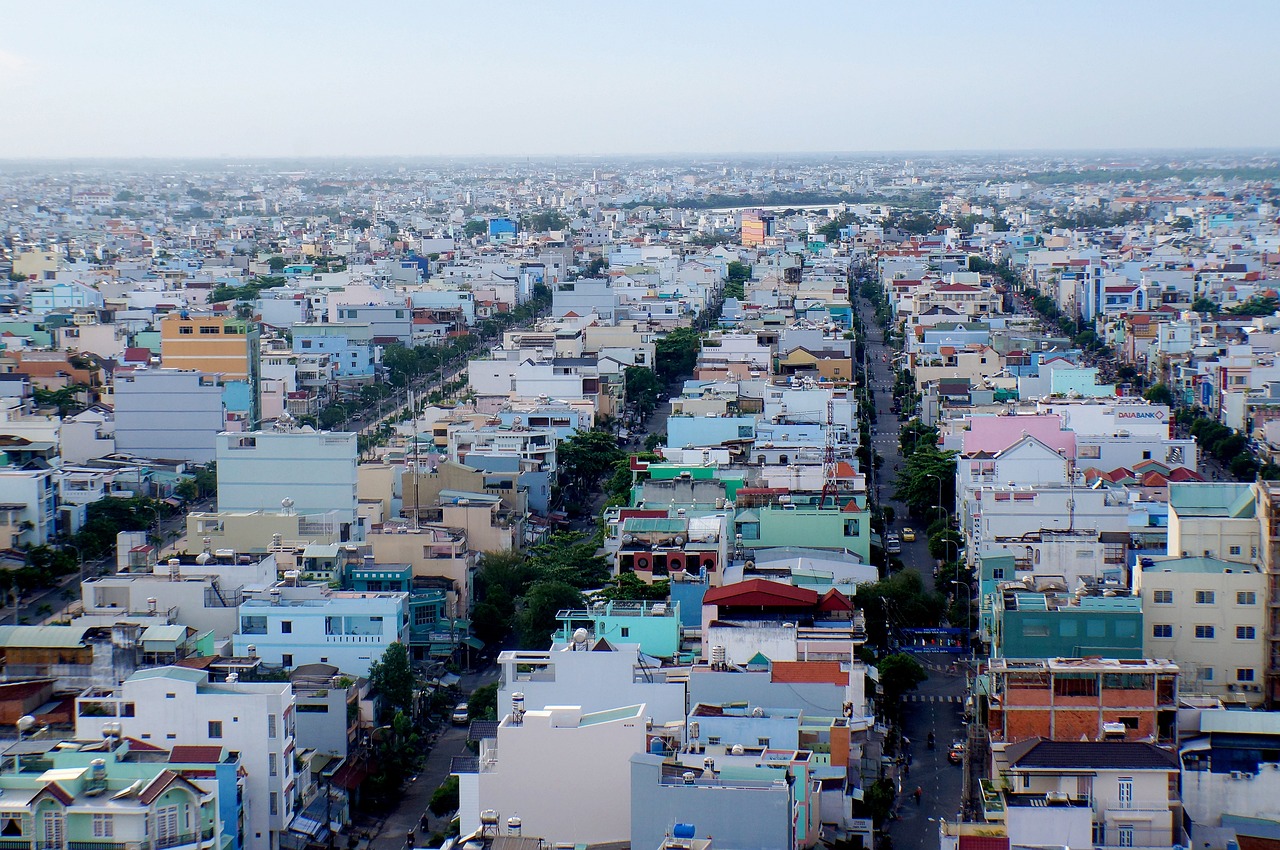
350	345
503	229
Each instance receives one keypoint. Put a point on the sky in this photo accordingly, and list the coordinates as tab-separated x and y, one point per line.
255	78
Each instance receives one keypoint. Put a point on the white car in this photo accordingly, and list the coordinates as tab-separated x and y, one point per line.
461	715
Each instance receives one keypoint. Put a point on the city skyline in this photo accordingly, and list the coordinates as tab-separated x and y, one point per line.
295	80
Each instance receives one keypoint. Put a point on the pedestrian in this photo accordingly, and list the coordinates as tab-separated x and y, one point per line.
919	792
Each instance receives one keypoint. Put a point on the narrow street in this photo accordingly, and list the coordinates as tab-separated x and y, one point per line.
938	704
390	833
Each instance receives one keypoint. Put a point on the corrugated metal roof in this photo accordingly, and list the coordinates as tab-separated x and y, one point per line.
164	633
47	636
645	524
1243	722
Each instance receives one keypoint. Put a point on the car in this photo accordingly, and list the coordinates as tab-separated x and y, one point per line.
955	755
461	715
909	534
892	544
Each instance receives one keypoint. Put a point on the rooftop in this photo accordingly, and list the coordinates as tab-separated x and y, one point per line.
1039	754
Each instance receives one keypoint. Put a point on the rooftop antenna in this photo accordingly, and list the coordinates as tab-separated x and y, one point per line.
829	458
413	413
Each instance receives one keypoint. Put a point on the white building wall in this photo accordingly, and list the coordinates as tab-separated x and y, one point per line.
594	680
317	470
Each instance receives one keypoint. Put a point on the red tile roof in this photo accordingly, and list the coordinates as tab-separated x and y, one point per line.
761	593
808	672
195	754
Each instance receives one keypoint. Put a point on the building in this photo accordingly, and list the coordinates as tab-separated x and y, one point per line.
1044	625
288	626
176	706
1070	699
315	470
215	344
589	752
168	413
757	226
653	626
1211	615
1099	793
779	622
107	791
1214	520
1231	777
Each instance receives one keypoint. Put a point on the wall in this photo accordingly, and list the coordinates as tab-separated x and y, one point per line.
163	413
256	471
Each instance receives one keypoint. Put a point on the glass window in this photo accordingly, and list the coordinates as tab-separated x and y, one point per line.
253	625
103	826
1246	597
1245	633
215	728
1162	597
1204	597
1162	630
271	725
286	627
1204	632
1244	674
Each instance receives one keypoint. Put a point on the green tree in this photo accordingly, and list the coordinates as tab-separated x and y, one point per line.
585	458
917	482
1205	306
475	227
276	264
676	353
360	224
1259	305
536	620
569	557
444	800
945	544
629	586
900	674
595	267
395	755
483	703
1159	394
642	389
654	440
391	676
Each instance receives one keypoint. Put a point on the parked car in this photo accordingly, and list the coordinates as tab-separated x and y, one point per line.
461	715
955	755
909	534
892	544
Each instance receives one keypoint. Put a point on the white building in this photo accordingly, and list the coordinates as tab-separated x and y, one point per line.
1211	616
565	773
289	626
172	706
258	470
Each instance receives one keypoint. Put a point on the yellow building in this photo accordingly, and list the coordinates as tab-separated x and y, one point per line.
34	264
756	227
210	343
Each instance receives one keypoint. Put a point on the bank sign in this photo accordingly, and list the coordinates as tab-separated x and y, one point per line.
1154	414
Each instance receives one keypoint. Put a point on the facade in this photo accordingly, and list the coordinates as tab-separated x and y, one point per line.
172	706
289	626
1044	625
215	344
589	751
258	470
1211	616
168	413
1067	699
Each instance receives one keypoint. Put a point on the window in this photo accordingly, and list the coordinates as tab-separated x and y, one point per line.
763	742
852	527
271	725
186	330
1162	630
273	767
215	728
275	803
1204	597
626	632
1129	722
286	627
713	740
1124	792
1244	674
52	833
1245	633
103	826
1246	597
1206	674
1162	597
210	329
286	660
1204	632
1125	835
253	625
1234	550
997	573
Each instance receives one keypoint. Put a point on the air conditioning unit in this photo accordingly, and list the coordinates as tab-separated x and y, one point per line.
1236	774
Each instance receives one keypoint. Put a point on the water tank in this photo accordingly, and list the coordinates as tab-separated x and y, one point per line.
152	604
232	678
695	730
513	826
717	655
683	830
489	817
655	746
688	776
737	750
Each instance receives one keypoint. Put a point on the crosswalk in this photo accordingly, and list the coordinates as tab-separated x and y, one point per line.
933	698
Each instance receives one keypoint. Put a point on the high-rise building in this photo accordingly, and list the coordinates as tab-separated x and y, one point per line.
215	344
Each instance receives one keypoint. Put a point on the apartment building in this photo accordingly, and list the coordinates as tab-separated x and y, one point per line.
177	706
314	470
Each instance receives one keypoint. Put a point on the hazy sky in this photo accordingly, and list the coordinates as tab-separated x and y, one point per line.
316	78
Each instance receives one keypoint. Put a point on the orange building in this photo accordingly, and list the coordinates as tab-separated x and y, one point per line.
211	343
1073	699
756	227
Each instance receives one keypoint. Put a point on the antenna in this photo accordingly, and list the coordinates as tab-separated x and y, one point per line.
829	458
413	412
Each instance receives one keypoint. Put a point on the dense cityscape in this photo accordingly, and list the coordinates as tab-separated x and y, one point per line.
577	426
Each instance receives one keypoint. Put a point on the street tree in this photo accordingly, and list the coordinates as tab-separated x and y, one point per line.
392	677
900	674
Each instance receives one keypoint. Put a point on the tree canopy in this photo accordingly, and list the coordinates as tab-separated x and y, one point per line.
677	353
391	676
